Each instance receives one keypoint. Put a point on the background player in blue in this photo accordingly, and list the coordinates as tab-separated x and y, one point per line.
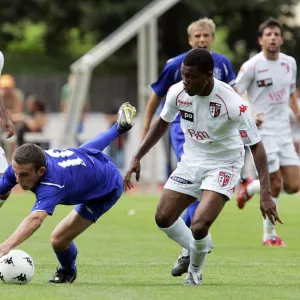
82	176
201	34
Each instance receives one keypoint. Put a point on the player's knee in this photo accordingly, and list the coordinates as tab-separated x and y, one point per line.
58	243
5	196
276	185
200	228
291	188
163	220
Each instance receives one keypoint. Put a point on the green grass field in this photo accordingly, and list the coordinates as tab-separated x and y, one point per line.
127	257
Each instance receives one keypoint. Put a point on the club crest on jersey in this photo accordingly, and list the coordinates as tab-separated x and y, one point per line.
224	178
214	109
264	82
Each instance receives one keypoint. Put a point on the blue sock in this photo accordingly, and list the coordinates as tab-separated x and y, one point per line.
101	141
67	258
189	213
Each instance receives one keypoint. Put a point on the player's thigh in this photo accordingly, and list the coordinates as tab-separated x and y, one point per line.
291	178
84	215
69	228
210	206
276	183
171	205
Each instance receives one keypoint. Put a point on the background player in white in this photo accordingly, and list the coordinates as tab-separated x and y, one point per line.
8	128
214	117
269	78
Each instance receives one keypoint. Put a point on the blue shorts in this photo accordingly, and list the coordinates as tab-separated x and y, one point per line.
177	138
95	208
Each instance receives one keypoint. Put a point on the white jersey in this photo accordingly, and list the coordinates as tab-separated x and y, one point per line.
214	126
268	84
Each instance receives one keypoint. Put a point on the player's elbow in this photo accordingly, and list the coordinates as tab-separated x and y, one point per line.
5	196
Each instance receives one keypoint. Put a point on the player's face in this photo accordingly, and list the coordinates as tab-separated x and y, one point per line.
194	82
26	174
271	39
201	37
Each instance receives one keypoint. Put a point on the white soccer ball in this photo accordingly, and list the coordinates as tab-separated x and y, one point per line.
16	267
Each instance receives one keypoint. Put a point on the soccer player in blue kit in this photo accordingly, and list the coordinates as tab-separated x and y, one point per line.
201	34
82	176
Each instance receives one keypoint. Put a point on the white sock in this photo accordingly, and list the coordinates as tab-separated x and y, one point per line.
253	187
198	252
269	228
179	233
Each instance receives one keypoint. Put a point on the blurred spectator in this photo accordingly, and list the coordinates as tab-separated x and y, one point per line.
33	121
13	98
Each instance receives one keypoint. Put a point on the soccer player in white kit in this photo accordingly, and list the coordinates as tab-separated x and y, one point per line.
269	78
217	124
8	128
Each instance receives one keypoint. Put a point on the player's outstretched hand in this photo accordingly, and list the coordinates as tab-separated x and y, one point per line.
268	209
135	167
4	249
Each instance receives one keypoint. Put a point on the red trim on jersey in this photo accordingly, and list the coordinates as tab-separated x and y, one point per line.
225	106
178	96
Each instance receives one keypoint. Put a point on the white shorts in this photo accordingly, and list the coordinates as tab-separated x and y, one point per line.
191	177
280	152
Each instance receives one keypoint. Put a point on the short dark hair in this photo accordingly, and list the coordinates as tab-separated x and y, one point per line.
200	58
30	154
271	22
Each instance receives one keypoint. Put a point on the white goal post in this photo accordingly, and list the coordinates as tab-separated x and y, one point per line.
143	24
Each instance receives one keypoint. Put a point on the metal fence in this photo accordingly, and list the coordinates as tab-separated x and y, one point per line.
105	94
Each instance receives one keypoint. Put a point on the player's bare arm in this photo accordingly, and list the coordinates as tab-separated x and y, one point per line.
6	124
294	106
267	206
156	131
151	107
3	198
28	226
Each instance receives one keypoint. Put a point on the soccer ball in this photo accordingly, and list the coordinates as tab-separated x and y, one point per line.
16	267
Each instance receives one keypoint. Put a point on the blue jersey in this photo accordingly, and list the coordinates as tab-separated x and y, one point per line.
73	176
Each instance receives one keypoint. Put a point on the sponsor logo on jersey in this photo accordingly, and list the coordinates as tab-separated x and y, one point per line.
214	109
184	102
224	178
278	96
264	82
186	115
262	71
180	180
198	135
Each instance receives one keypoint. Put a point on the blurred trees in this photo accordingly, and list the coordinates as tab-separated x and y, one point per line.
71	27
